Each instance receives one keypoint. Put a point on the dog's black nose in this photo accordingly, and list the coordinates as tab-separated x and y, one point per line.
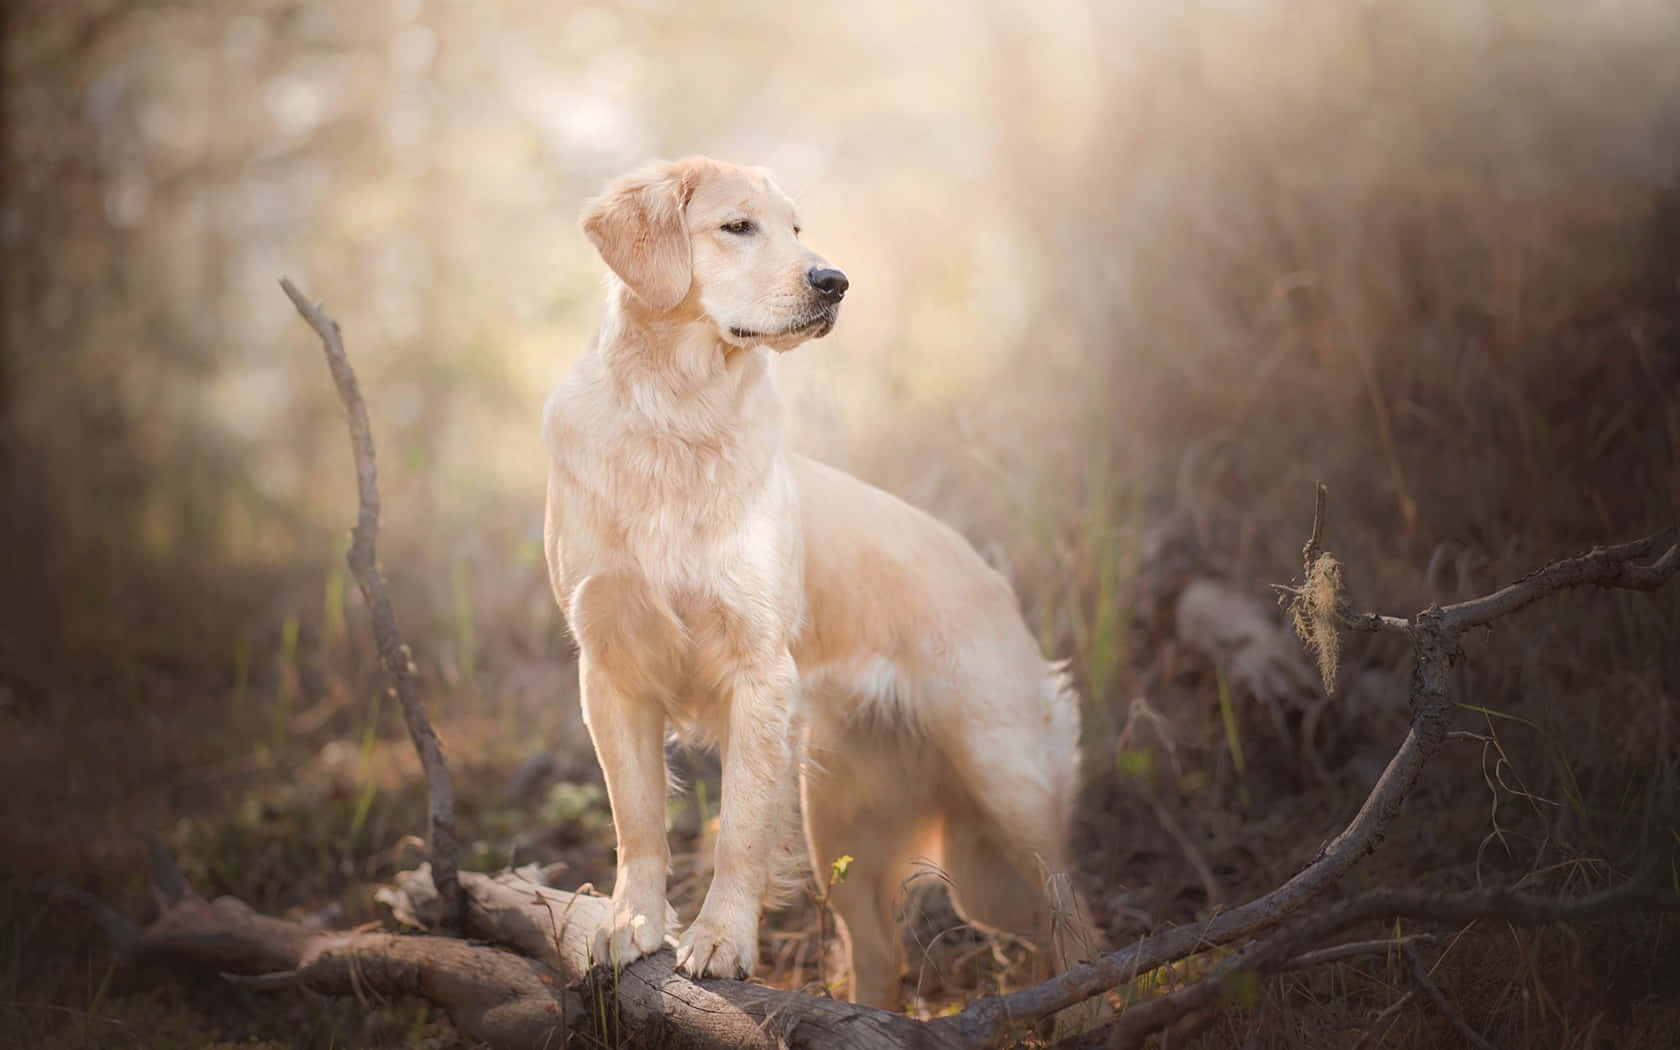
830	284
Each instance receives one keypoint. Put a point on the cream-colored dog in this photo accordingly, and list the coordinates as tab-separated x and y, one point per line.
823	634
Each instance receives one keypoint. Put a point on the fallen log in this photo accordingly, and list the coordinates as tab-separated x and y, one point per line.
532	989
657	1006
506	1000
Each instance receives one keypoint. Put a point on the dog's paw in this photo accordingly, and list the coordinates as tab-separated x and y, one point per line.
629	935
713	949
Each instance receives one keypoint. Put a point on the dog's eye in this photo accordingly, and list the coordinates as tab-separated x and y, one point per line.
739	227
796	231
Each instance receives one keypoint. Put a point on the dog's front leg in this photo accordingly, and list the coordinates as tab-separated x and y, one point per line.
757	752
629	737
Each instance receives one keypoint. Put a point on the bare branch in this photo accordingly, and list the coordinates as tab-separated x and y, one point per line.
268	982
1315	542
1372	623
1601	567
1434	634
1142	1020
983	1021
393	651
1525	909
1366	622
1353	949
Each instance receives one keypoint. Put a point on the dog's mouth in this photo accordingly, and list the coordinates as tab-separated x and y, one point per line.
814	326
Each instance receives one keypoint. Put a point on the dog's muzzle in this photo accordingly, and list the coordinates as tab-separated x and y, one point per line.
814	325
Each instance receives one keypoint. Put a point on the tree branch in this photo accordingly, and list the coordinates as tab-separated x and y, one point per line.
1435	633
1364	622
1283	950
1353	949
1601	567
394	653
985	1020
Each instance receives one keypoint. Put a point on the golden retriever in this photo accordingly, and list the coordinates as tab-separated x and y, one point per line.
827	637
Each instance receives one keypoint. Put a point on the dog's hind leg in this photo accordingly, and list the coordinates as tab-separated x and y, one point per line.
994	884
861	799
1007	808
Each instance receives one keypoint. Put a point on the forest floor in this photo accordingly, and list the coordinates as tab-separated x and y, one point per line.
278	776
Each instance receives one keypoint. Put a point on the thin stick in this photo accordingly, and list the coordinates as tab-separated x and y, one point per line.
1315	541
394	653
1340	952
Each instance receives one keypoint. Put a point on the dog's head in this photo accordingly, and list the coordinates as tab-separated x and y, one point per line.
720	242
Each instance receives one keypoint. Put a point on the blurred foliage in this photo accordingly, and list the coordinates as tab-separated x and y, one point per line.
1221	248
420	169
1127	279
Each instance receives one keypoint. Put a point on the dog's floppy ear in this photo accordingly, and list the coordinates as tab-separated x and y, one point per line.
639	227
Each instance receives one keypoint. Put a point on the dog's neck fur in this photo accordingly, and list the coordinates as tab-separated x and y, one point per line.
695	354
674	374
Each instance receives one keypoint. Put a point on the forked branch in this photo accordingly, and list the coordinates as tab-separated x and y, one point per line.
1435	634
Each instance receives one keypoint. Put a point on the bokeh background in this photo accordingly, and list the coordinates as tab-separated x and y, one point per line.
1128	278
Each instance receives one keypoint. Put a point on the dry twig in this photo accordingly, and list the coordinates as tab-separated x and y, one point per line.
1352	950
394	653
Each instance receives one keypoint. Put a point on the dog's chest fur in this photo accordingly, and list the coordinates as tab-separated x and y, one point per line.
674	529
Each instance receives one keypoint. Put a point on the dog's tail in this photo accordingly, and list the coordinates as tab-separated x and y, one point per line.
1073	933
1061	700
